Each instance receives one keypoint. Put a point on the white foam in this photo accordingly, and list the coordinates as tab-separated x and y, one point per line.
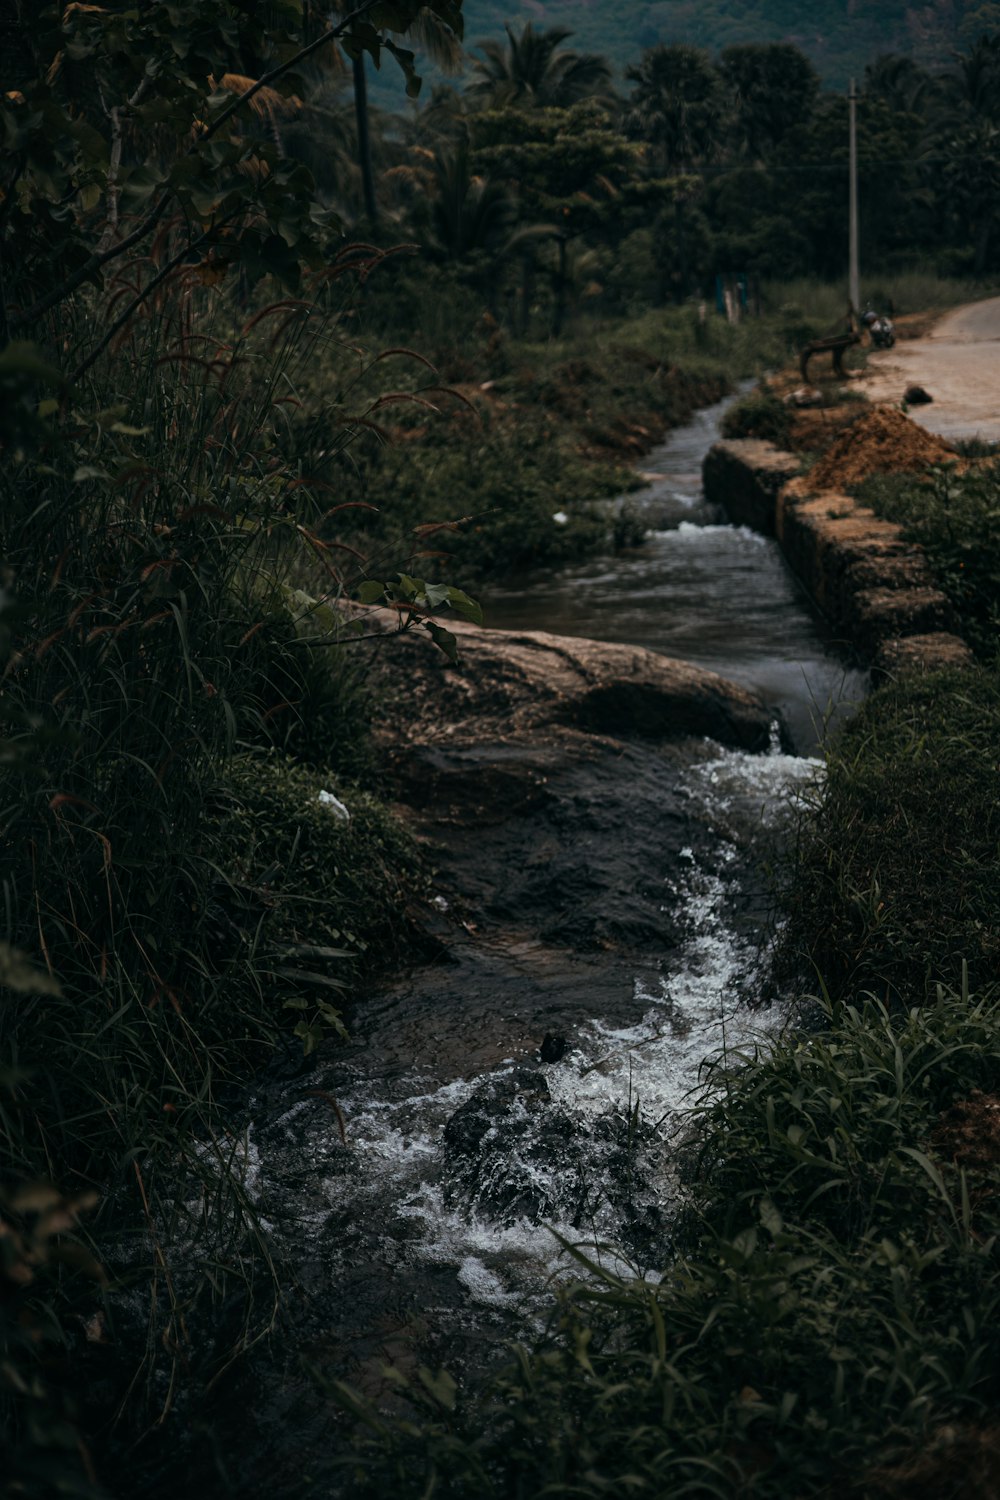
688	1016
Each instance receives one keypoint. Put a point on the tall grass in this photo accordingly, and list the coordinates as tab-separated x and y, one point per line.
955	519
898	878
153	639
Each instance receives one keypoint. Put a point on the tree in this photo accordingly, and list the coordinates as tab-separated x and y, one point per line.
118	125
899	82
969	118
771	89
532	71
677	106
441	42
573	173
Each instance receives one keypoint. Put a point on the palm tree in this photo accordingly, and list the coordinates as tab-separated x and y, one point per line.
903	84
971	118
469	212
439	43
772	89
677	105
678	108
532	71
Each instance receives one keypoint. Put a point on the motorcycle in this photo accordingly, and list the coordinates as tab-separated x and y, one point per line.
883	334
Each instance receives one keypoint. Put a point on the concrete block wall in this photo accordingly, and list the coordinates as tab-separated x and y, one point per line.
873	587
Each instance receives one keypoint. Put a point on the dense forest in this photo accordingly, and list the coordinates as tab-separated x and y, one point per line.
840	40
268	350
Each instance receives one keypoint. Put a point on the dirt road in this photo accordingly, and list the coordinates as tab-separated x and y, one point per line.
958	363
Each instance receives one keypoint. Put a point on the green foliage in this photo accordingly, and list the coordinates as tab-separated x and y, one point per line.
149	113
899	876
850	37
956	519
760	414
832	1302
535	70
485	503
336	882
772	87
676	104
159	938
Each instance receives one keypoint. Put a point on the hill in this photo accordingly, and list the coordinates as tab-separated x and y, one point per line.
840	37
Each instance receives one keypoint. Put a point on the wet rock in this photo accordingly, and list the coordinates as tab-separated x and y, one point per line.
553	1048
517	686
512	1152
509	1151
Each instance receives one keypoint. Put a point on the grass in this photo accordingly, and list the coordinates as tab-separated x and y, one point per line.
178	893
956	519
832	1303
533	430
828	1319
899	875
759	414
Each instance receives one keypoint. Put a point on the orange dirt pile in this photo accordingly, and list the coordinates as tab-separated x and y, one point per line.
883	441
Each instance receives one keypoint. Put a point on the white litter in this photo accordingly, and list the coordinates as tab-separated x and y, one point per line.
328	800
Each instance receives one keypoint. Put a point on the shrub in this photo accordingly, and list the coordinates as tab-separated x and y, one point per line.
899	872
334	903
956	519
761	414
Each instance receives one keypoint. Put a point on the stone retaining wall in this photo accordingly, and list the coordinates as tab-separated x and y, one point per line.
874	588
747	476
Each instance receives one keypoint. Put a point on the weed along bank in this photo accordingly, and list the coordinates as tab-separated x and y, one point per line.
499	945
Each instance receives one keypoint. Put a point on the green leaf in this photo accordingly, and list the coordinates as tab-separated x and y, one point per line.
370	592
440	1387
443	639
463	605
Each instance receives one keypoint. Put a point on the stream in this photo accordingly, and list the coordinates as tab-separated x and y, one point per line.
409	1181
699	589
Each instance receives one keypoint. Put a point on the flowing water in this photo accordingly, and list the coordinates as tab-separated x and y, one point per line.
714	594
411	1180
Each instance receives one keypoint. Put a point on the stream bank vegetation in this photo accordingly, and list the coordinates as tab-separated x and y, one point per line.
213	430
828	1318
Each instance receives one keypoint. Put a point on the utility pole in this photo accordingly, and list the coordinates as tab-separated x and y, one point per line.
854	277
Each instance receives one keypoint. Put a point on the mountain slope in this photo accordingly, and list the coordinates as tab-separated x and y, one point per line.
840	36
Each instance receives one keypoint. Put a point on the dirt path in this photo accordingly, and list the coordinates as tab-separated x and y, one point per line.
958	363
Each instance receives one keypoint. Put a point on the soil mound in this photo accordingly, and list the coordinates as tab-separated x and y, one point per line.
883	441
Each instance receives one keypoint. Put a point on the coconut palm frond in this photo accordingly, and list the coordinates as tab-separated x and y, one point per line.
266	102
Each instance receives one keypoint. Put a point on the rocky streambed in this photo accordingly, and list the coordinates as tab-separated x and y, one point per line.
605	824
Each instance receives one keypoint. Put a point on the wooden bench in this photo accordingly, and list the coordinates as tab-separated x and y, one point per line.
836	345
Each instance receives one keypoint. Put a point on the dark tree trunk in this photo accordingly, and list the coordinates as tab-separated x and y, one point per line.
364	137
